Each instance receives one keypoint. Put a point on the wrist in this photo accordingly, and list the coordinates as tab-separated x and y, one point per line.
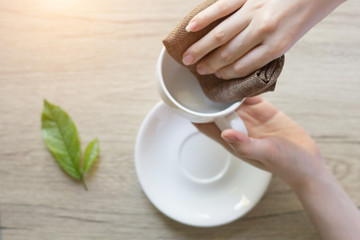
340	1
328	206
321	178
332	4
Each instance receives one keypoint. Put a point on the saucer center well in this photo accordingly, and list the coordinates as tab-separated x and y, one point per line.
203	160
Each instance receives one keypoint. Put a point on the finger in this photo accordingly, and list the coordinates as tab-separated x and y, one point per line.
249	63
252	100
218	36
240	143
230	52
209	129
246	147
248	104
216	11
212	131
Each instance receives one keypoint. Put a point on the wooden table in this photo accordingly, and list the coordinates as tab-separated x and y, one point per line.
97	60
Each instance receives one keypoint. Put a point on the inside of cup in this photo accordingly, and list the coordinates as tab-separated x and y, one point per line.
183	86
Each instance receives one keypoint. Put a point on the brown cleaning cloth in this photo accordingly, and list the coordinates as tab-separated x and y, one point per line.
217	89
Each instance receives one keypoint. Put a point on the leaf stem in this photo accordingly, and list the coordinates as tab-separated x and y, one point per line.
83	183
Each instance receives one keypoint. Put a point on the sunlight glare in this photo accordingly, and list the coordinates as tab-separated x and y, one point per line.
61	5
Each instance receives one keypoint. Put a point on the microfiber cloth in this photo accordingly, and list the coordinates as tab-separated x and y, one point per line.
216	89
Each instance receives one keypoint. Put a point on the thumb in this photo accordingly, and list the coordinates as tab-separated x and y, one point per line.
244	146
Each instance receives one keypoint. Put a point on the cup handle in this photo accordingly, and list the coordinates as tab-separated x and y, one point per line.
231	121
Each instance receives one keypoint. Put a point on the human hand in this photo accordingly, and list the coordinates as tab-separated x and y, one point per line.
275	142
257	32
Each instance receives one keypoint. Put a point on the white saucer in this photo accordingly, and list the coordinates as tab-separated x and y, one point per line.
189	177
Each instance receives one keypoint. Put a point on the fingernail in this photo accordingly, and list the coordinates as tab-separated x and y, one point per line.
188	59
190	27
230	139
201	69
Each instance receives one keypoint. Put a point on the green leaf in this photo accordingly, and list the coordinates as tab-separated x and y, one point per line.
90	155
61	137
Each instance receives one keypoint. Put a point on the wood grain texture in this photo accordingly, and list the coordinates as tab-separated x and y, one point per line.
97	60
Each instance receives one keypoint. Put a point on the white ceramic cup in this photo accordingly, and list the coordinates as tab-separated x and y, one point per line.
180	90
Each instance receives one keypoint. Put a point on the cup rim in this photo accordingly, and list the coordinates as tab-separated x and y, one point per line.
227	110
